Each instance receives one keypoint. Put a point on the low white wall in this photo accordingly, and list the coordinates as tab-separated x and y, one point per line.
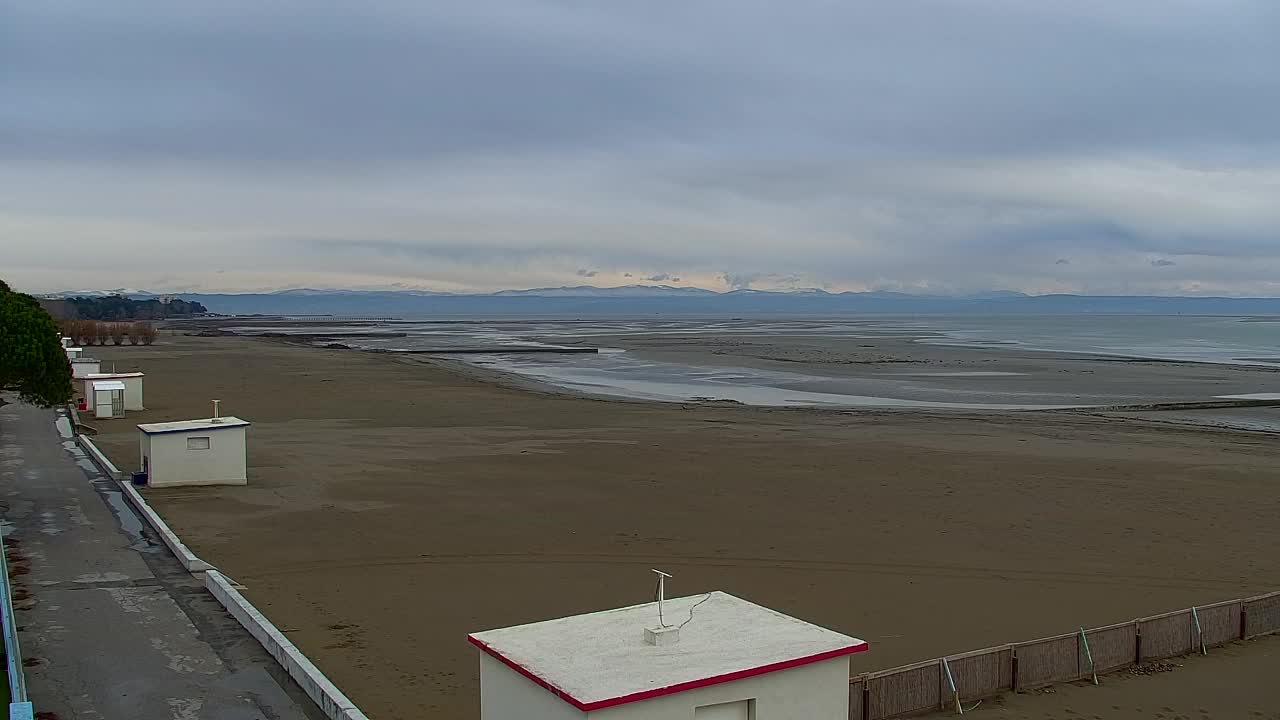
169	537
105	465
325	694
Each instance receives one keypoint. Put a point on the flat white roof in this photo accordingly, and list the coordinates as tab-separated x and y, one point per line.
107	376
190	425
600	659
84	360
108	385
73	348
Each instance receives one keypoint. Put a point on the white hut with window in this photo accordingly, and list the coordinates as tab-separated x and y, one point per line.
132	386
705	657
211	451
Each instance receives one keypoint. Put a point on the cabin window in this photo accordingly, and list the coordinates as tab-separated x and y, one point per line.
198	443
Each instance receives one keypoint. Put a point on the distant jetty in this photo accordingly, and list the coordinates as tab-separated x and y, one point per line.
496	350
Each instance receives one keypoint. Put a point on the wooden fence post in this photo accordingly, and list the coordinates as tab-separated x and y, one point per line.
1137	643
866	698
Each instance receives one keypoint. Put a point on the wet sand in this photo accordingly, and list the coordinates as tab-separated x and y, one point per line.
396	503
904	367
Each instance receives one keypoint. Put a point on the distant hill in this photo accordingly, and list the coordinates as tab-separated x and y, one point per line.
650	300
120	307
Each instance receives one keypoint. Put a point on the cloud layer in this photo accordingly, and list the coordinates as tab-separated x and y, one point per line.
934	145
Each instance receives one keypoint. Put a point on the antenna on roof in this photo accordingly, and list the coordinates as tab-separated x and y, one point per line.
662	594
216	414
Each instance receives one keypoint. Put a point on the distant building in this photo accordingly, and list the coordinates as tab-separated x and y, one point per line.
132	384
83	367
711	657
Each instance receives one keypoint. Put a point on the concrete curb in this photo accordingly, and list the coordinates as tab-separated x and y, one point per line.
325	694
105	465
188	559
167	536
75	418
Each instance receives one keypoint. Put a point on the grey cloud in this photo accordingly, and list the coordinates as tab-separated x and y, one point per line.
910	145
1162	262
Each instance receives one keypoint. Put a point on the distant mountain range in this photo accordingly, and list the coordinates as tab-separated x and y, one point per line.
647	300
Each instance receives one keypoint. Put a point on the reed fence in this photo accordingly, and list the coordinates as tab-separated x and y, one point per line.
1082	655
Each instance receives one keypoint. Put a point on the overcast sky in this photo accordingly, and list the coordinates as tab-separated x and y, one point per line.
930	145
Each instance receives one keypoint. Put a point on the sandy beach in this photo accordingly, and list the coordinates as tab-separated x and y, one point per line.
395	504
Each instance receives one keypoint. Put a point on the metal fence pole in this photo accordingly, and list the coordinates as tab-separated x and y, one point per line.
1195	617
951	682
1093	669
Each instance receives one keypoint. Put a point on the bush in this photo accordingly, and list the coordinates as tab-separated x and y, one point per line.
102	332
148	333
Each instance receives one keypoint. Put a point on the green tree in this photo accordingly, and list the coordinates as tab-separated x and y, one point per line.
32	360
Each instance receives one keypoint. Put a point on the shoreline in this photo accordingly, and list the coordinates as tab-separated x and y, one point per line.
1141	414
917	337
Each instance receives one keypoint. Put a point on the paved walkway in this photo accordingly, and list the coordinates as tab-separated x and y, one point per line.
113	624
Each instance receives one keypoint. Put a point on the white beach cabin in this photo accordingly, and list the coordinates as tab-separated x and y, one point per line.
132	386
83	367
106	398
73	352
194	452
716	657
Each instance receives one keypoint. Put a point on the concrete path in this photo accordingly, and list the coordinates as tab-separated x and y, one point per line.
111	625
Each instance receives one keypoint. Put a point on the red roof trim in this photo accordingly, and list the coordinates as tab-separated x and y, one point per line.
670	689
526	672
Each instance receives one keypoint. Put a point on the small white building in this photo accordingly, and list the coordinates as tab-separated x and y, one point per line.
194	452
106	398
83	367
73	352
716	657
132	386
